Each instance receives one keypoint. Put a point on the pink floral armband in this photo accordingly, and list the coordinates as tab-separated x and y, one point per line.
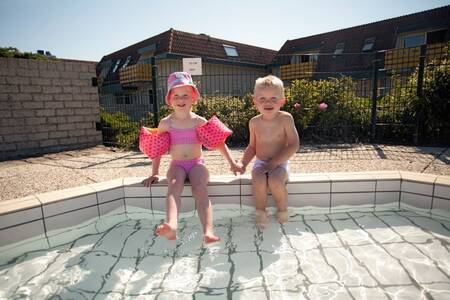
152	143
213	133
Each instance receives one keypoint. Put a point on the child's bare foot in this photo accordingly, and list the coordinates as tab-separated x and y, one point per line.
210	238
282	216
167	231
261	218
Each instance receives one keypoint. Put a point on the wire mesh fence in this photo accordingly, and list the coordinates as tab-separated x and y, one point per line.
397	96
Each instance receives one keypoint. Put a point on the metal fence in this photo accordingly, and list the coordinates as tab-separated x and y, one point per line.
374	97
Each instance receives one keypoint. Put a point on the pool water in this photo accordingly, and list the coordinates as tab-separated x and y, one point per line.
365	254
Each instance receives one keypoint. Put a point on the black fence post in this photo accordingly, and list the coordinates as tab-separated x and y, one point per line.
373	119
155	92
423	52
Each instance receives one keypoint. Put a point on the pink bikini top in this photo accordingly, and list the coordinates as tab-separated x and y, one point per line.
183	136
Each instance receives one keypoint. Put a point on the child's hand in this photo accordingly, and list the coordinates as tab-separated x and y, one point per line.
241	167
149	181
235	167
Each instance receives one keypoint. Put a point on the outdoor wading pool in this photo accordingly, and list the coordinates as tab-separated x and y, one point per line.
377	235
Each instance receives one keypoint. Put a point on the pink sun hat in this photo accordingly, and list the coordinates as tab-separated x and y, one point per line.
177	79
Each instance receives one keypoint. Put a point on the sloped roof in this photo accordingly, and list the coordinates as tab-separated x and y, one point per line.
200	45
385	33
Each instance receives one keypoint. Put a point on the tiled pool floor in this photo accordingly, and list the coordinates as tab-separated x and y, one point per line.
367	254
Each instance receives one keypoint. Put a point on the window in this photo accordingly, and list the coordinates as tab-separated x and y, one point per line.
124	99
127	61
436	36
339	48
302	58
230	50
368	44
414	40
116	66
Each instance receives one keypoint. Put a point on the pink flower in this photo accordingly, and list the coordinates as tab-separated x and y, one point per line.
323	106
297	105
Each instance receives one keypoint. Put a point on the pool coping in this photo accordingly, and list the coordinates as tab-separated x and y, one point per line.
38	214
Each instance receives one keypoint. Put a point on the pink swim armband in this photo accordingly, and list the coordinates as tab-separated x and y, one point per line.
153	144
213	133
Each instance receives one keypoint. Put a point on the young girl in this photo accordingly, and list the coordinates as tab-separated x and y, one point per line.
186	154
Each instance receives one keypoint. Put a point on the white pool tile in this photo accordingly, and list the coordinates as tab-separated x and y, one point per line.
418	188
159	204
309	177
246	189
415	200
247	201
308	187
19	217
441	206
105	208
145	203
223	190
352	186
443	180
10	206
71	218
388	185
136	191
108	195
158	190
233	199
56	196
161	191
338	199
21	232
302	200
387	197
67	205
187	204
107	185
350	176
442	191
419	177
224	180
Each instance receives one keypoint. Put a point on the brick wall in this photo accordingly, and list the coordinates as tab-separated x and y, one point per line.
46	106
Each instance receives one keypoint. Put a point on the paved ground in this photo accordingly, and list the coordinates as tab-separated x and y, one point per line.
19	178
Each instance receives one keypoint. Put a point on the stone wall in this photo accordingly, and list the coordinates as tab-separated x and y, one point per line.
46	106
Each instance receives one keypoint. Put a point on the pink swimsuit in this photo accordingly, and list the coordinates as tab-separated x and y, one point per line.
185	136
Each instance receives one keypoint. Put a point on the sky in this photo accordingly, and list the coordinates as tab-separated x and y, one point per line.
90	29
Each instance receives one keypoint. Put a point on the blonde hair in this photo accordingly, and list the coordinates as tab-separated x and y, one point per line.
270	81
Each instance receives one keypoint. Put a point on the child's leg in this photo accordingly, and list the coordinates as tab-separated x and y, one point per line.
175	178
277	184
199	177
259	190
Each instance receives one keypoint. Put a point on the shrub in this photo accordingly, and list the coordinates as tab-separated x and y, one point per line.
345	112
119	129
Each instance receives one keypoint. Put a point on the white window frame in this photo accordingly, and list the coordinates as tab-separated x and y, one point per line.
339	50
116	66
229	50
127	61
369	44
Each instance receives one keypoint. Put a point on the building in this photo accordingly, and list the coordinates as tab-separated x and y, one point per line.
394	43
228	68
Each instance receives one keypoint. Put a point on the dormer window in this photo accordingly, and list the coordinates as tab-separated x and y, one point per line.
339	48
230	50
116	66
368	44
127	61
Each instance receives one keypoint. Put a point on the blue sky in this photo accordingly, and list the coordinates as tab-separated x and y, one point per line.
89	29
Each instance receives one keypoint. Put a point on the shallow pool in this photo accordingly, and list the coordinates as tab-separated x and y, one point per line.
365	254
